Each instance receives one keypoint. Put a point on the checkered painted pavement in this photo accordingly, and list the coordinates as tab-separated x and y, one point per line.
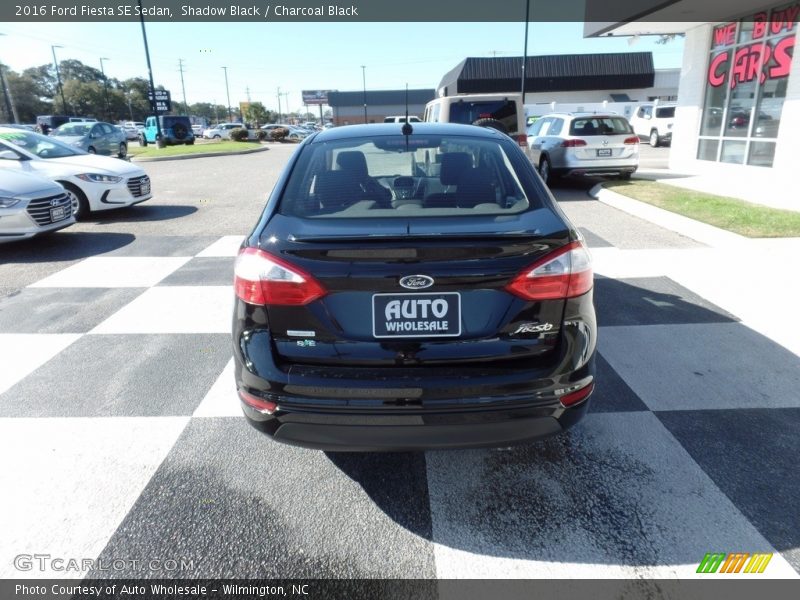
121	437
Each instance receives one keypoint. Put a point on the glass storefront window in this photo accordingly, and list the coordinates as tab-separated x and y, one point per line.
746	82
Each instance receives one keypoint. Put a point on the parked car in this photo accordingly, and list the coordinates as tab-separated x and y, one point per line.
295	133
30	205
563	144
382	304
653	122
402	119
221	131
19	126
132	129
94	138
46	123
175	130
92	182
504	112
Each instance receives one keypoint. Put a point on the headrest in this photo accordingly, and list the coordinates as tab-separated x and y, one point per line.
454	165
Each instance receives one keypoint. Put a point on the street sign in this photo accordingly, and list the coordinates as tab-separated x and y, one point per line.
163	100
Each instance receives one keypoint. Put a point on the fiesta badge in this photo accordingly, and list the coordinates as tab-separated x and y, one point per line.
416	282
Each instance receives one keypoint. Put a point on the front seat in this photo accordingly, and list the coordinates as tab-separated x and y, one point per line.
454	166
354	164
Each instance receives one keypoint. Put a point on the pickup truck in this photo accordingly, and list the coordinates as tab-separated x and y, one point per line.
174	130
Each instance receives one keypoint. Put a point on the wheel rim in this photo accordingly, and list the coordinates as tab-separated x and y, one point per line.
653	138
74	200
544	170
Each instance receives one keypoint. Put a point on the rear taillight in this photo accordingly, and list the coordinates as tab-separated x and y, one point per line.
564	273
632	140
261	278
522	140
573	398
573	143
261	405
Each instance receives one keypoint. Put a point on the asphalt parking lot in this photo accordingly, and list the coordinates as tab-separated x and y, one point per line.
122	438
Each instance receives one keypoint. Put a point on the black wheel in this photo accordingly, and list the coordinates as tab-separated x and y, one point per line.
492	123
180	131
91	150
190	143
123	150
654	141
625	176
217	137
80	205
546	170
142	141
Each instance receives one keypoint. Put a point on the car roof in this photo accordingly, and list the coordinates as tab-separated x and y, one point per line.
383	129
567	115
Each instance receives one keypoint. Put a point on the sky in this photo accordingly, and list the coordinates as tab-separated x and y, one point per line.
299	56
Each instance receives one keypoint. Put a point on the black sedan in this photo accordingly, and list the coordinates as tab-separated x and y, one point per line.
409	288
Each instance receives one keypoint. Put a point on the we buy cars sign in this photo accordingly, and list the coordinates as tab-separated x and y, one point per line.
163	100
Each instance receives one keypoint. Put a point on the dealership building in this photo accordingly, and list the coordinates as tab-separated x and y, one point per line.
348	107
738	104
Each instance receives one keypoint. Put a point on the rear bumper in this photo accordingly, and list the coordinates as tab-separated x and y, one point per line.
607	170
398	409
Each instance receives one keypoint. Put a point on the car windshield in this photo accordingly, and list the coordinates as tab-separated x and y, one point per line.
40	145
667	112
395	176
600	126
72	129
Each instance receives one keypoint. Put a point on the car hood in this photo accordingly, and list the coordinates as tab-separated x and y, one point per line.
90	163
15	184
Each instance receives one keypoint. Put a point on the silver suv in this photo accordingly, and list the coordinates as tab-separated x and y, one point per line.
563	144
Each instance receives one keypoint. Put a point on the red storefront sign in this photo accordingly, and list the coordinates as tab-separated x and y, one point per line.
760	60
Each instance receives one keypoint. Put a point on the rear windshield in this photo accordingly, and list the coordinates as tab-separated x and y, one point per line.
170	121
666	112
391	176
599	126
468	113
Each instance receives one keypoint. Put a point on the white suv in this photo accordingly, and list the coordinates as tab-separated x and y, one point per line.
653	122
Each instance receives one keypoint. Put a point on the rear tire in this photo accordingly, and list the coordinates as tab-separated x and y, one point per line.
546	170
492	124
143	141
655	142
123	150
91	150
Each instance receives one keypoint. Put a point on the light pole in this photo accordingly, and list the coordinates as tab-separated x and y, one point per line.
228	93
279	104
525	49
153	102
105	83
364	80
183	87
58	78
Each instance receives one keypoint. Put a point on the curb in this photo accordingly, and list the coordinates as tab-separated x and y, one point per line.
197	155
700	232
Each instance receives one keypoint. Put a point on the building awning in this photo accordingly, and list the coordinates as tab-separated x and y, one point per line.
554	73
380	97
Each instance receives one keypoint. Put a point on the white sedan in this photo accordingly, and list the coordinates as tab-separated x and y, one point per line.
92	182
31	205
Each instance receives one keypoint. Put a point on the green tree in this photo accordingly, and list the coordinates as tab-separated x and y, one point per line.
28	99
256	114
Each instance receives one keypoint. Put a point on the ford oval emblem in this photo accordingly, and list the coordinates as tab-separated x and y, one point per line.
416	282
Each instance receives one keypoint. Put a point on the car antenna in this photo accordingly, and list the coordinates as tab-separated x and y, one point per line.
407	128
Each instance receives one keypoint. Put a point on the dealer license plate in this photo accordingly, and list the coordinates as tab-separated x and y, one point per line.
58	213
604	152
416	315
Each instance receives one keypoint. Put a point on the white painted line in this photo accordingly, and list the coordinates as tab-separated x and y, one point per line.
23	353
68	484
618	498
225	246
115	271
221	400
174	309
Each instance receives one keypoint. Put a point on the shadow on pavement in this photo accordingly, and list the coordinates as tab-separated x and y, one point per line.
63	246
142	213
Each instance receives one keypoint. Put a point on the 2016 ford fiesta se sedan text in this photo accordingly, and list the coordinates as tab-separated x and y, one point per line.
412	287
